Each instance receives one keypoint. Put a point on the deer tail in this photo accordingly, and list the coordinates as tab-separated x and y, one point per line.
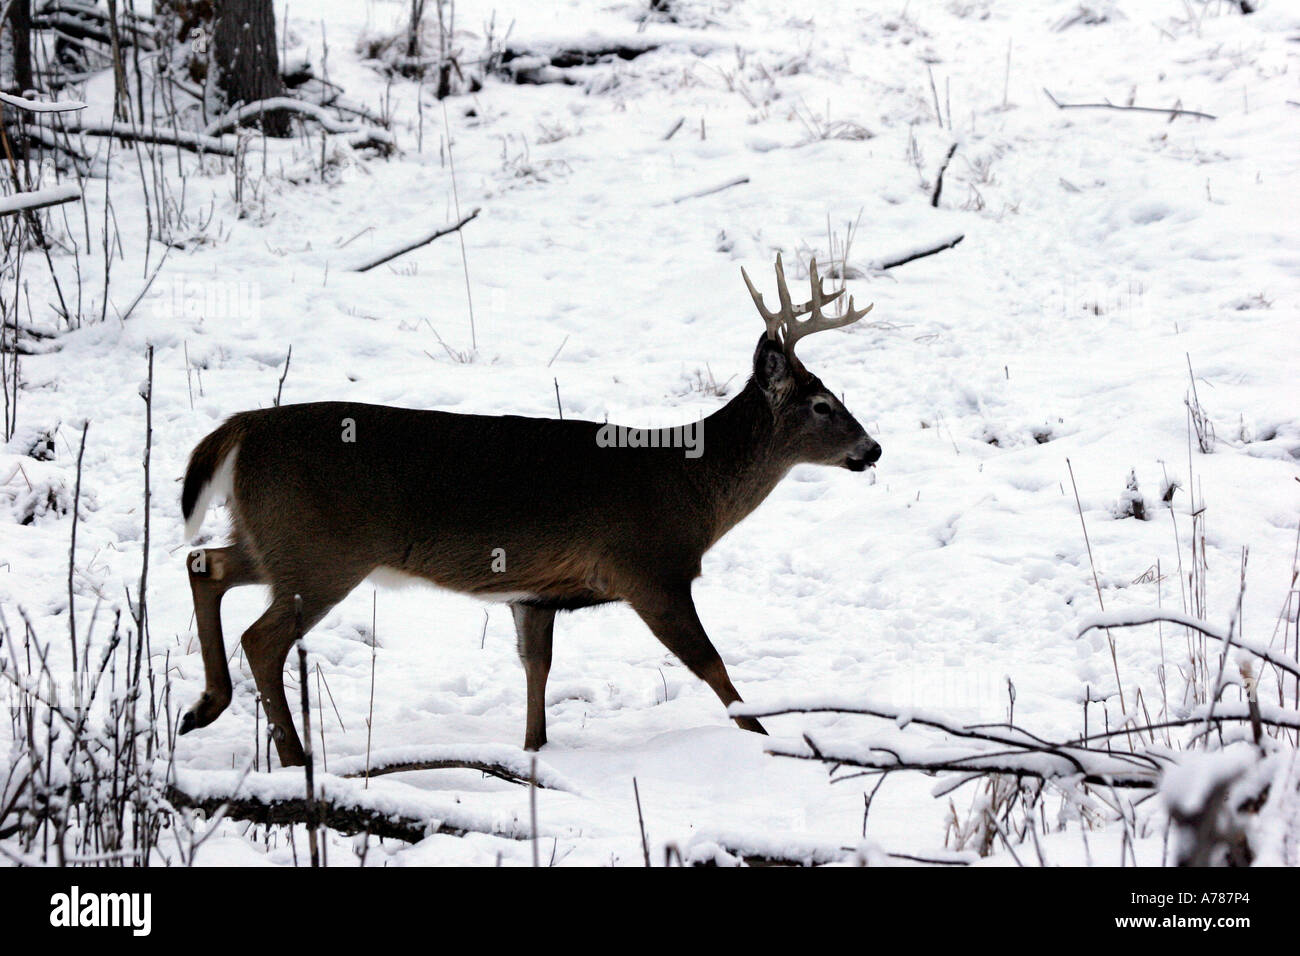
211	472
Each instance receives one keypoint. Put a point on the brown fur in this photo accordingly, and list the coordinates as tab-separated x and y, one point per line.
439	496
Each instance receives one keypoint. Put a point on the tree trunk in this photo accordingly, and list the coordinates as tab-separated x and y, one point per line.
16	49
248	65
16	69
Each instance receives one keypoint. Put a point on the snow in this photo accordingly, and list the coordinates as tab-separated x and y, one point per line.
1102	249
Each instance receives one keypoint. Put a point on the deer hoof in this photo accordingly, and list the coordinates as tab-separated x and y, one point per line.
750	724
204	712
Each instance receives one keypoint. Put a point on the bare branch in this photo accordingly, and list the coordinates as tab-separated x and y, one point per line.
423	241
1174	111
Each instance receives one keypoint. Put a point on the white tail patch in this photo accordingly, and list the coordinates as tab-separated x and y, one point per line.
219	488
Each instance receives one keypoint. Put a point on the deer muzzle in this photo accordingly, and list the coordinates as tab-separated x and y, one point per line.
865	454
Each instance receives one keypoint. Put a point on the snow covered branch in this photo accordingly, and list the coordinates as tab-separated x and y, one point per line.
319	114
40	106
1136	617
39	198
502	762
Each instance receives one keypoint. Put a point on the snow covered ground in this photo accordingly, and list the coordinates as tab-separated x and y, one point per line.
1102	251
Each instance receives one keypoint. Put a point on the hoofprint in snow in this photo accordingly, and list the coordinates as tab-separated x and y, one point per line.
1103	250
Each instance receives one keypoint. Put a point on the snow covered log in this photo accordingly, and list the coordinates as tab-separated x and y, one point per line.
343	805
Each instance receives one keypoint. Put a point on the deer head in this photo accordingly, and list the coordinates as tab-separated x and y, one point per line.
810	421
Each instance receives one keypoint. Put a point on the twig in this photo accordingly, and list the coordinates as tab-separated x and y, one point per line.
144	291
640	820
1173	111
532	803
423	241
1096	584
283	375
312	831
738	181
455	198
374	645
938	180
72	548
900	259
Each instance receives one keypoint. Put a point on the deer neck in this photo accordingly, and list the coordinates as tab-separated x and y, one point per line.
742	462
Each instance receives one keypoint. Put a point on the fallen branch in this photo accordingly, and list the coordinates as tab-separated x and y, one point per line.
973	763
275	104
50	140
998	748
416	244
902	258
87	22
195	142
39	199
41	106
1138	616
738	181
502	762
787	850
1172	111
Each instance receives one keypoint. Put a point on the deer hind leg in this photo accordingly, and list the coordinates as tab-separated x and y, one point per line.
213	572
534	630
266	645
670	614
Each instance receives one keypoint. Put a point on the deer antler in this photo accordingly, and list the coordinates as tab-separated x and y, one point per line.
784	326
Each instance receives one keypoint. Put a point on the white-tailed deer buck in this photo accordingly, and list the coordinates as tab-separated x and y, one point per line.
536	512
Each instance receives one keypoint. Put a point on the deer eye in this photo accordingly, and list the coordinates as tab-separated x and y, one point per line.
822	408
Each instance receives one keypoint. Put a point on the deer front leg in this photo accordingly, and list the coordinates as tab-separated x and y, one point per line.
670	615
534	631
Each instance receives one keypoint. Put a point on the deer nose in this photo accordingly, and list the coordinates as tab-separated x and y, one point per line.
869	451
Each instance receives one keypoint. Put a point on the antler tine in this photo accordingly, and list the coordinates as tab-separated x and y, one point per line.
819	298
783	292
816	321
771	319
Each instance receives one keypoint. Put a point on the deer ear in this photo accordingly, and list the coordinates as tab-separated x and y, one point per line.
772	369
